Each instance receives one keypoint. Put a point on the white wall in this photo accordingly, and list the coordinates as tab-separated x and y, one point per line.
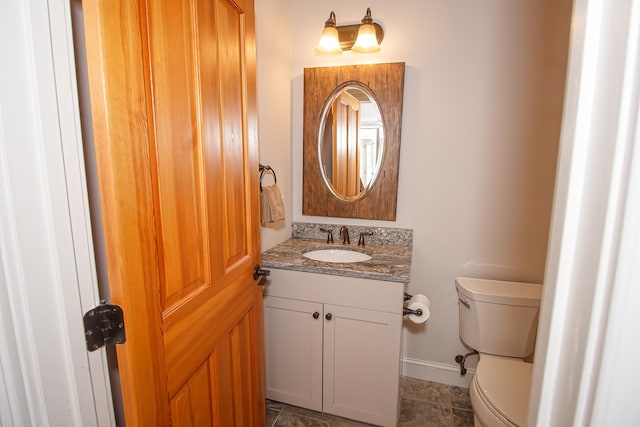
482	109
273	46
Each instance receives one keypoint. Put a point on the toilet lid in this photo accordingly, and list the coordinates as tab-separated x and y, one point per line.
504	384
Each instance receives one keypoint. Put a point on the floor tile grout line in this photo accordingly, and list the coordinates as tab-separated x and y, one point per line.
446	403
275	420
426	401
451	419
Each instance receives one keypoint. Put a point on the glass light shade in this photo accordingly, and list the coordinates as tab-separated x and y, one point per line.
367	41
329	43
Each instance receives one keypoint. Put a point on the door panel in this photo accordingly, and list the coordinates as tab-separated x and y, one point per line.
172	87
234	376
231	94
351	352
191	406
178	151
346	174
293	348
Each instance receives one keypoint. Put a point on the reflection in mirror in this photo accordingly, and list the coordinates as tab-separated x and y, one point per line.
350	141
364	99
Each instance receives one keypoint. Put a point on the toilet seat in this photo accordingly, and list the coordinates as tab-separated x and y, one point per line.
500	391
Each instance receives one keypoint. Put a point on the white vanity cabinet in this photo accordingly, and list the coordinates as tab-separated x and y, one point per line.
332	344
293	351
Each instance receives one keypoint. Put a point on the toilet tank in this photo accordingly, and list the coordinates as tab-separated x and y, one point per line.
498	317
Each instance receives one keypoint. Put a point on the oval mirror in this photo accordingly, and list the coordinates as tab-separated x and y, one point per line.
350	140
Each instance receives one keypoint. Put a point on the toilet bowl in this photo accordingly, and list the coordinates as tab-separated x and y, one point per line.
500	391
499	320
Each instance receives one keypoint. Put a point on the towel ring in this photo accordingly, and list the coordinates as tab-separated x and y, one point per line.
267	168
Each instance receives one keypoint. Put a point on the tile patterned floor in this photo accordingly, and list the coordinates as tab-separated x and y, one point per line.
422	404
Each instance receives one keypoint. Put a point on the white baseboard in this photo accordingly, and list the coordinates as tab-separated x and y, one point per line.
437	372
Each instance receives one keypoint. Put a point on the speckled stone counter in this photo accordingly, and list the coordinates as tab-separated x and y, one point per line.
388	262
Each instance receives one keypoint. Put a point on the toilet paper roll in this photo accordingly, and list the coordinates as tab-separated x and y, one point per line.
419	302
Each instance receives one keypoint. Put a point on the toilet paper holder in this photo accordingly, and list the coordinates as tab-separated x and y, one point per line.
406	310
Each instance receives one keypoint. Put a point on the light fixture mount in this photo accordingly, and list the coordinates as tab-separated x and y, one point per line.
348	34
331	22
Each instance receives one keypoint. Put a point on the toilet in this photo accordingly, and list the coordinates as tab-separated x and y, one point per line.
499	320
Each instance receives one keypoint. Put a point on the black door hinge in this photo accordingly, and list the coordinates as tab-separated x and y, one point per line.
103	325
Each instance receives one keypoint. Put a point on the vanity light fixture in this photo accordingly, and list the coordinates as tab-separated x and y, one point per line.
362	38
329	43
367	41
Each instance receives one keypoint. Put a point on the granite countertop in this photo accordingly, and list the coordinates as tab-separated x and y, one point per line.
388	262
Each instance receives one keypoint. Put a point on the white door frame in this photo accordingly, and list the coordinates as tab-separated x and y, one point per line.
585	371
47	269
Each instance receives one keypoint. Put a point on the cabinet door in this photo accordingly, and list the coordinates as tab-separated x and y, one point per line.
362	364
293	351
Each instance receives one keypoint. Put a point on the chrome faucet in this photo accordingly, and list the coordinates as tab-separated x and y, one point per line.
344	233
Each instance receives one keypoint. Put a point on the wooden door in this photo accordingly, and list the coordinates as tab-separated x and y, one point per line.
346	162
172	88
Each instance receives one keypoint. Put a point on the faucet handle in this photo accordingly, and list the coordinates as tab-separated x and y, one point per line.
344	233
361	238
329	232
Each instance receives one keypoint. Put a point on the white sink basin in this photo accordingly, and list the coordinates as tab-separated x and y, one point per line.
336	255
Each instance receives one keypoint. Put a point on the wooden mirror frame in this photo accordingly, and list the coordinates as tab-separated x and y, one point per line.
386	82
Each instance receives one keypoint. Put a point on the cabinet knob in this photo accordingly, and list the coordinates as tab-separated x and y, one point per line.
328	316
316	315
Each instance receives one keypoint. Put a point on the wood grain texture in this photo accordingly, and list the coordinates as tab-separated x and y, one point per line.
172	85
386	83
177	152
346	166
191	406
117	64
